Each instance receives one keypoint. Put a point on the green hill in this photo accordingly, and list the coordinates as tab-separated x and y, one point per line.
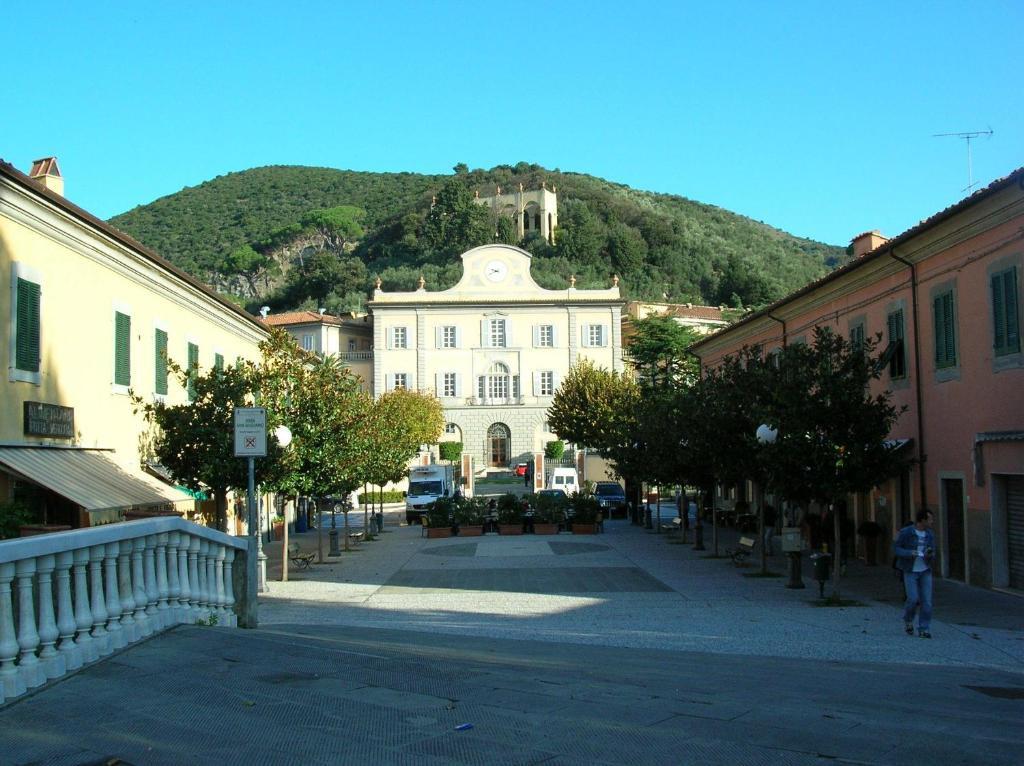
297	236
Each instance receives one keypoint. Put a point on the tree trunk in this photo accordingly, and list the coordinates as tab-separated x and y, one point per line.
836	554
220	504
760	529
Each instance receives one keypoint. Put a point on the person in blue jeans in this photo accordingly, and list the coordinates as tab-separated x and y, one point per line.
915	551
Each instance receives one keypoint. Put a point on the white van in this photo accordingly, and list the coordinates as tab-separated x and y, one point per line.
565	479
426	484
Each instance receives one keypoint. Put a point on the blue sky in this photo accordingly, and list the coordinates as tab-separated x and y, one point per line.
815	117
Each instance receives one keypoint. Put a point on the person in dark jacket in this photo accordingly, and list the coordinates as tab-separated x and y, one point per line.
915	552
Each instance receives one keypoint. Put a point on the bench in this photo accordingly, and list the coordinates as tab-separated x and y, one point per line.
742	550
300	559
356	537
676	525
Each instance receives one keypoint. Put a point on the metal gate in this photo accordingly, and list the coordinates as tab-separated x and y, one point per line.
1015	529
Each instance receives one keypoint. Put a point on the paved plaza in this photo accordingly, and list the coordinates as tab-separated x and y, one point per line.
620	648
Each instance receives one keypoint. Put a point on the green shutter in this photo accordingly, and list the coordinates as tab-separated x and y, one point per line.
160	363
1005	316
945	330
897	364
193	370
218	362
27	330
122	349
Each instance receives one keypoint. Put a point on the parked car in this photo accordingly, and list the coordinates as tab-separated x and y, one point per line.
521	469
611	497
565	479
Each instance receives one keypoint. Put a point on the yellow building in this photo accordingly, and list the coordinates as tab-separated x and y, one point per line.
350	338
89	314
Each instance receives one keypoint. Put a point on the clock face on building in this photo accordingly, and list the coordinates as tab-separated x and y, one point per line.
496	271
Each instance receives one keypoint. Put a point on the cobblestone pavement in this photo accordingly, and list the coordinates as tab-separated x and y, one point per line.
622	648
630	587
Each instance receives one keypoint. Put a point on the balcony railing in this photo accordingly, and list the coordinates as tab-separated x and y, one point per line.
356	356
491	401
69	598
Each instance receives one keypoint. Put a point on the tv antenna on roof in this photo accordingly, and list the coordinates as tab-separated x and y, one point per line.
967	136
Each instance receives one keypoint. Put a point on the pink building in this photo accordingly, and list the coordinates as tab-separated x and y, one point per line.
945	297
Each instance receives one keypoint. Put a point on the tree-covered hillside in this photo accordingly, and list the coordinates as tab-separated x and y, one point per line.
296	236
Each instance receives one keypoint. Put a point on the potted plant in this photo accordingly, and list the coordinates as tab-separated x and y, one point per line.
277	526
549	513
510	515
439	517
15	516
870	531
586	514
469	517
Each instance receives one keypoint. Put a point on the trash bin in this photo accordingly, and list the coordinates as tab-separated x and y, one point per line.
822	568
300	523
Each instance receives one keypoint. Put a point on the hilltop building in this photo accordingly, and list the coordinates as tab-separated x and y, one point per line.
530	211
946	298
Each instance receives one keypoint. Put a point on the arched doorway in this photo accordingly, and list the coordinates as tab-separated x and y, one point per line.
497	447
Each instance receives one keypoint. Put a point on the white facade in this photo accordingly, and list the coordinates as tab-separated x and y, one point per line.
494	349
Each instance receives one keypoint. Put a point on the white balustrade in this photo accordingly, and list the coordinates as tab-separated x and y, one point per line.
125	593
112	599
70	598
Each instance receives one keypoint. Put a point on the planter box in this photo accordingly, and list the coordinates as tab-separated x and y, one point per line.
439	531
580	528
278	531
473	531
540	528
510	529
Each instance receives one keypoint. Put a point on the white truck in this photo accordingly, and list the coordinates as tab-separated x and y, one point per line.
427	483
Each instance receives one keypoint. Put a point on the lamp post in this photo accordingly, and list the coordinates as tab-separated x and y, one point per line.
284	438
766	435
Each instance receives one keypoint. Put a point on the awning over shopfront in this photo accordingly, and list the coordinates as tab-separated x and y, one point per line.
88	478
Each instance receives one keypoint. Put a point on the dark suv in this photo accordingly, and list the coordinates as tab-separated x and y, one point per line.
611	497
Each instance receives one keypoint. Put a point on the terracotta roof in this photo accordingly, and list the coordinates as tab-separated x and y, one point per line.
11	172
300	317
1014	177
697	312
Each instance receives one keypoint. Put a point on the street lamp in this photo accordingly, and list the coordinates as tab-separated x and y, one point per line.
283	435
766	435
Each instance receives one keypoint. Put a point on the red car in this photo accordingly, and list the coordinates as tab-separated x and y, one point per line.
520	469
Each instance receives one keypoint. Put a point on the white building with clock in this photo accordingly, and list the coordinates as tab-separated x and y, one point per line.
493	348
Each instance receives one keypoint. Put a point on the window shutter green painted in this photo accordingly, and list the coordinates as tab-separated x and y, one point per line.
1005	314
27	330
218	362
160	363
193	370
945	330
122	349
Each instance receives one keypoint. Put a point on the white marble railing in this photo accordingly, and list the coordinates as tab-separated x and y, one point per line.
70	598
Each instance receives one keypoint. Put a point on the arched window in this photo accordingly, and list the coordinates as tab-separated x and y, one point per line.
497	381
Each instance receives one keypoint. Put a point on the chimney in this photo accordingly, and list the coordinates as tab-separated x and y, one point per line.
46	172
866	242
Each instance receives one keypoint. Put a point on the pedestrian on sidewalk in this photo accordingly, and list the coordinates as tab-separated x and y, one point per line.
915	551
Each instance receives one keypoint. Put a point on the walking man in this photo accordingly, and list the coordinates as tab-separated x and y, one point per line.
915	551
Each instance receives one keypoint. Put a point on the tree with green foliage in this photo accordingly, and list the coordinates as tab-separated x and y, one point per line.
658	351
251	266
455	222
337	225
580	235
832	429
554	450
195	440
322	274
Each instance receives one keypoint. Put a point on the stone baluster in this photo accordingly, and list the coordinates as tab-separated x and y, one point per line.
70	651
125	594
96	601
204	580
183	578
10	679
211	579
52	662
222	612
142	620
83	613
173	586
152	592
112	599
196	587
161	580
28	637
229	587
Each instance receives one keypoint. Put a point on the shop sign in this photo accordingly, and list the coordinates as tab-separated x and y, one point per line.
43	419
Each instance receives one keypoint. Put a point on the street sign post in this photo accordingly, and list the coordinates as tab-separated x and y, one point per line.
251	443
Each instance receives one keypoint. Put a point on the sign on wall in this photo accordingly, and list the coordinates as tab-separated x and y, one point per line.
43	419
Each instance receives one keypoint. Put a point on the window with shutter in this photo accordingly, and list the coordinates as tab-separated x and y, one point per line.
193	370
218	362
122	349
160	363
1005	313
897	357
27	327
945	330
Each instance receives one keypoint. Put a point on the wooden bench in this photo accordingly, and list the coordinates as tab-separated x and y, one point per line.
742	550
300	559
